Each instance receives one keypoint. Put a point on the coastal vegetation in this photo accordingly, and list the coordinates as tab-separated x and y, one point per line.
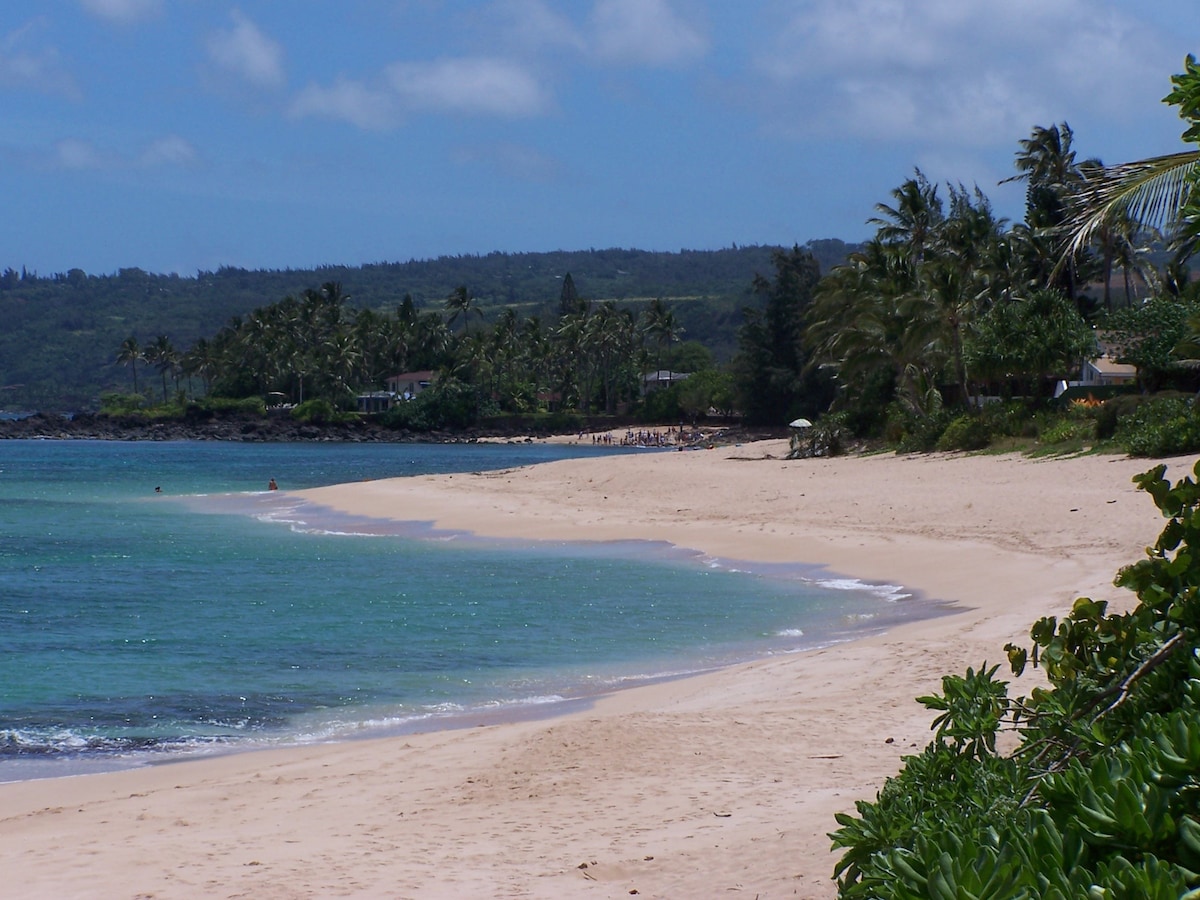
63	331
1097	796
950	329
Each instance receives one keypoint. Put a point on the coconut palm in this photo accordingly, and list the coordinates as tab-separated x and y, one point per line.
461	303
1052	174
201	360
162	354
914	219
659	323
1156	192
130	355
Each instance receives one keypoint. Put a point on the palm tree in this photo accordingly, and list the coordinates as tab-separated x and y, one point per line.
164	358
1155	192
130	355
1047	164
915	218
201	360
609	336
572	363
659	322
462	303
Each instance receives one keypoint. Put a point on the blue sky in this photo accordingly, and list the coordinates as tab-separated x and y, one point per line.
183	135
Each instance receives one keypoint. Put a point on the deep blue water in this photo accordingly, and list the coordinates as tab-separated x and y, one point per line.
137	625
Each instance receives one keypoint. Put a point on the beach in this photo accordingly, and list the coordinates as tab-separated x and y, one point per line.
725	783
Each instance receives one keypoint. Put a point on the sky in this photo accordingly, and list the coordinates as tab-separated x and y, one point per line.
185	135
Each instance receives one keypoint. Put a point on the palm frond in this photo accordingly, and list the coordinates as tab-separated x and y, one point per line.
1152	192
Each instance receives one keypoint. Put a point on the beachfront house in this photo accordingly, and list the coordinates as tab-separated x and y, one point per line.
407	385
1105	370
1101	371
663	378
375	401
404	386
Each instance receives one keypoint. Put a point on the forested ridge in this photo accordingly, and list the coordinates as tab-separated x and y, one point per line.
61	331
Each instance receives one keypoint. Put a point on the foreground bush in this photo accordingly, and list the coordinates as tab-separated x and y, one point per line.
117	404
446	404
967	432
1160	426
1101	797
318	411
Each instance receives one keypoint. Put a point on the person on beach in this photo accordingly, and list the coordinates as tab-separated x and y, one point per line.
272	486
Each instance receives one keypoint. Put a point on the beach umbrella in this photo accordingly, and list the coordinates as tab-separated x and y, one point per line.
799	423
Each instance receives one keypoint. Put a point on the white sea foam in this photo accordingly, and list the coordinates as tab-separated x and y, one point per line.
886	591
525	701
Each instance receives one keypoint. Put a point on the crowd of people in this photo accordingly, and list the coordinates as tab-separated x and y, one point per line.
672	437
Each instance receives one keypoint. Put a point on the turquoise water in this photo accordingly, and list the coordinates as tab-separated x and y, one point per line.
214	615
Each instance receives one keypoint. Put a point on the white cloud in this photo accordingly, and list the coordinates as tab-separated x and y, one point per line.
76	154
644	32
41	69
244	51
122	10
493	87
368	108
533	24
974	71
171	150
487	87
79	155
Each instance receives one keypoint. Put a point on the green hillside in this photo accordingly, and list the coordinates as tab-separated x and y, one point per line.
61	333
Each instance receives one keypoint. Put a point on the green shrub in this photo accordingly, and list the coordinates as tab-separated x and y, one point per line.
1012	418
561	422
317	411
1163	425
447	403
908	432
1072	427
247	405
1098	798
118	404
967	432
661	405
1110	415
829	436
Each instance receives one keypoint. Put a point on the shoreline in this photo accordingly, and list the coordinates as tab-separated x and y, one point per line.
722	781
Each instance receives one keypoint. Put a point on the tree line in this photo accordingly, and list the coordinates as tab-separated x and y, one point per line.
1096	794
591	357
946	306
61	330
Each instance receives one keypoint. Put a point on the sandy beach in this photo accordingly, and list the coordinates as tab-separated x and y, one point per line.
724	784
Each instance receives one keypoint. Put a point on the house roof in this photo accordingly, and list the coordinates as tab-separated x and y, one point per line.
1107	366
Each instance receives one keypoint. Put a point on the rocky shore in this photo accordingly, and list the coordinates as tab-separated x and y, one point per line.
280	426
273	427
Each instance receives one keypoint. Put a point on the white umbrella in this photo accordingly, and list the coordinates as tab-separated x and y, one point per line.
799	423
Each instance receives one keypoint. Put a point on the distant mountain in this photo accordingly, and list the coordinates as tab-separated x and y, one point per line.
59	335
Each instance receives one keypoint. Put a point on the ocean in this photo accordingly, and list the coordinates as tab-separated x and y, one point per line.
156	602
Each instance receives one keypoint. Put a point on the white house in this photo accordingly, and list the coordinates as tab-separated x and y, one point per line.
407	385
1105	370
663	378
